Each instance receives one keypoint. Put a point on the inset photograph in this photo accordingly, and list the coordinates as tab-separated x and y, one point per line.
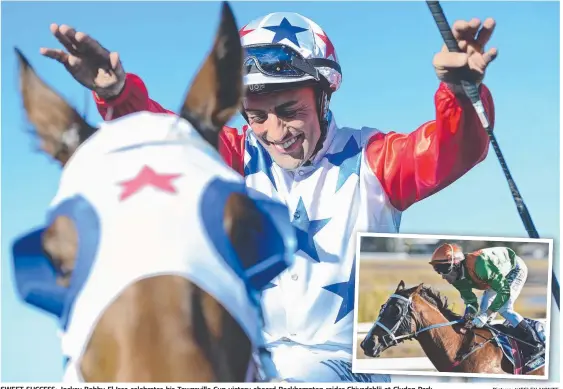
452	306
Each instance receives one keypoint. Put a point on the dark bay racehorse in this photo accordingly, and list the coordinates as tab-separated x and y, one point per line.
166	327
422	314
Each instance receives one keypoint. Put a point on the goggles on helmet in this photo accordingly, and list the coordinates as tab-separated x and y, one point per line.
444	268
282	61
275	61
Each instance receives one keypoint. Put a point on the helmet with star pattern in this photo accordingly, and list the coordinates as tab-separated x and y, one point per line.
285	50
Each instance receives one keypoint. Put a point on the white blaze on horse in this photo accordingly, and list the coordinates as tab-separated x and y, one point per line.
154	253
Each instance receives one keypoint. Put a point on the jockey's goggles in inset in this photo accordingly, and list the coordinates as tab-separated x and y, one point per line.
444	268
282	61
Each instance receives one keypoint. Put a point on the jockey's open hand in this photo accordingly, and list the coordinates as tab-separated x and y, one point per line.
87	61
471	63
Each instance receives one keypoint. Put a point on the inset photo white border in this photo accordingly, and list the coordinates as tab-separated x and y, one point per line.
384	365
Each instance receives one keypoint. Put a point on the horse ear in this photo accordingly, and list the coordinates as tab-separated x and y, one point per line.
401	286
217	91
60	128
419	288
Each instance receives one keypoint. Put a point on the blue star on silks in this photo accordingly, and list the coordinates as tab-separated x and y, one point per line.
346	291
285	31
348	159
306	229
260	160
269	285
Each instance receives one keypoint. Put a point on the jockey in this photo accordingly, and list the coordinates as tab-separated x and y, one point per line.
334	180
496	270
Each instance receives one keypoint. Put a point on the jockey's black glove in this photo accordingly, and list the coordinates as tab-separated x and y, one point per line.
468	317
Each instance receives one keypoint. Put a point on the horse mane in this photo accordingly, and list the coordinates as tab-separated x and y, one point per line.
439	301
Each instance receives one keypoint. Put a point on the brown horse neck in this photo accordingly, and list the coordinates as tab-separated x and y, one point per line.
441	344
166	329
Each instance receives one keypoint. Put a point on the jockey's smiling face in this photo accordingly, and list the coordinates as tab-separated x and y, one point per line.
286	124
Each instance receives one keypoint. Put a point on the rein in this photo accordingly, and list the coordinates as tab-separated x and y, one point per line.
458	360
394	340
391	332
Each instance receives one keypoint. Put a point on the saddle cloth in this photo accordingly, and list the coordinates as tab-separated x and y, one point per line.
517	353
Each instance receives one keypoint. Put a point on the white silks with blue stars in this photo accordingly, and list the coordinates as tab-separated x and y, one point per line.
309	307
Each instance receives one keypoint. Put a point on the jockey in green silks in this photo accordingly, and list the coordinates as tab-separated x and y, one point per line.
496	270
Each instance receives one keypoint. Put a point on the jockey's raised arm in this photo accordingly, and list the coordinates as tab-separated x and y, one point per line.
414	166
134	97
410	166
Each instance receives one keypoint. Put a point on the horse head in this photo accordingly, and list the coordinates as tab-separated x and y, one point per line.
172	328
394	323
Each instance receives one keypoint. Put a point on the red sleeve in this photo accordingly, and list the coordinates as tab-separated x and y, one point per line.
231	148
414	166
135	98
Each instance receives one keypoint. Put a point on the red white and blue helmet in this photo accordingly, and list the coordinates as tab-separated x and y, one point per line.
285	49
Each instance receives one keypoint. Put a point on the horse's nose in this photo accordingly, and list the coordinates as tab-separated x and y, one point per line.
368	346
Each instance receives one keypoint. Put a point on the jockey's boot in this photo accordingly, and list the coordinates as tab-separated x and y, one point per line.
530	336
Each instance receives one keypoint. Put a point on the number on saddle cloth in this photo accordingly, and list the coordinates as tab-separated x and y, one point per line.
276	245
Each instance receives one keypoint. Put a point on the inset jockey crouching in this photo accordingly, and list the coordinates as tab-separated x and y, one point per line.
496	270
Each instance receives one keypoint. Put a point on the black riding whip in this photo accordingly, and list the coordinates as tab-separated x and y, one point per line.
472	92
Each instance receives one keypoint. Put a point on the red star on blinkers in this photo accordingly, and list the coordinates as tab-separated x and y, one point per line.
148	177
329	47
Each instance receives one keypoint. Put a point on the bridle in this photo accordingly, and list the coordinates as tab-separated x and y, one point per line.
390	339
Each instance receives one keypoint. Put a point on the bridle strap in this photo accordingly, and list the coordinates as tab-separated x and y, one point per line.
414	334
391	332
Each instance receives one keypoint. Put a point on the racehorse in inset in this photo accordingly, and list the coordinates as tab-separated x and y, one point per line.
154	254
422	314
